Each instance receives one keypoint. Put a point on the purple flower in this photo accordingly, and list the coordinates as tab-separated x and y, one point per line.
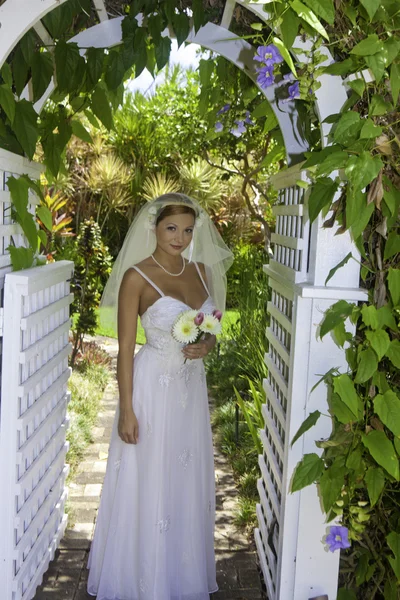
217	314
241	128
268	55
199	318
265	76
224	109
218	126
338	538
294	90
247	119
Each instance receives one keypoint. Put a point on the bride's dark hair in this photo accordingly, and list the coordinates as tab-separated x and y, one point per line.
175	209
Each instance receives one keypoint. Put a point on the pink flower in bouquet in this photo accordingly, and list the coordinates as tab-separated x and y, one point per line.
217	314
199	318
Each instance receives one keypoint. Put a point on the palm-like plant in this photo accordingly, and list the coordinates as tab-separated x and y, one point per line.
51	222
157	184
203	182
109	178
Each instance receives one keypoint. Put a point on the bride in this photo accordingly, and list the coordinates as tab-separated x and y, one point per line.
154	535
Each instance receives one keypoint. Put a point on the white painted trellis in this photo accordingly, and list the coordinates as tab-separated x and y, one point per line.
291	527
34	317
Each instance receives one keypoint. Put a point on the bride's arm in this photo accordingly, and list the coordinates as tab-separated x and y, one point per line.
128	308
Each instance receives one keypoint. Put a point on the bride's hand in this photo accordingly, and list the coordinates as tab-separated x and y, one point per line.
199	350
128	427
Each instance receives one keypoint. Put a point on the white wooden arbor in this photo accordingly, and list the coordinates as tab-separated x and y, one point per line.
290	527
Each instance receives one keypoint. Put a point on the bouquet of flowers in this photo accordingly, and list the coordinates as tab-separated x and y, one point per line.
192	325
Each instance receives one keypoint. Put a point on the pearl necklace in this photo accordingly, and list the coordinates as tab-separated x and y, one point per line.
164	269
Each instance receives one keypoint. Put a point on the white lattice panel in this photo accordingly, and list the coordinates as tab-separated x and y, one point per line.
291	527
33	424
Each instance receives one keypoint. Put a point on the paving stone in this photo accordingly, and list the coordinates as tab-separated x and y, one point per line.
92	489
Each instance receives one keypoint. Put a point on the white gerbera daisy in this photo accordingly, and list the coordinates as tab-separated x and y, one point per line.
189	315
184	331
210	325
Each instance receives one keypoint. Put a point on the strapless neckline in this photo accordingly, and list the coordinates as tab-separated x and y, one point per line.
176	300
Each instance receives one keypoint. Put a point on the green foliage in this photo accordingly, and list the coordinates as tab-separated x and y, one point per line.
92	265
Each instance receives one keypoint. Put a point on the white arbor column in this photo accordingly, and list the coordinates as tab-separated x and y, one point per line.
289	537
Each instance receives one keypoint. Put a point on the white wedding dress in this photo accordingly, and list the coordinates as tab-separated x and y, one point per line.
154	535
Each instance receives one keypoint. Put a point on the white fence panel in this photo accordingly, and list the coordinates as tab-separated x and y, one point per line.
291	527
33	423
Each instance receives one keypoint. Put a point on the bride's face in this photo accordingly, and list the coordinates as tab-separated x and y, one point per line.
174	233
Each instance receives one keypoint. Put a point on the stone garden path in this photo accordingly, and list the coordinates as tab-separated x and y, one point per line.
237	573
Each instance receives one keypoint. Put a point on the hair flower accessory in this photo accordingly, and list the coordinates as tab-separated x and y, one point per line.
200	219
150	223
152	210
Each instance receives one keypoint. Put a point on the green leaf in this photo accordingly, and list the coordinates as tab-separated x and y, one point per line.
28	43
198	14
6	74
375	480
21	258
68	63
52	150
370	130
25	126
20	71
344	387
390	590
394	285
323	8
367	366
101	107
19	189
81	132
92	119
386	318
115	70
307	424
370	45
381	449
387	407
364	216
395	82
163	50
335	160
393	353
322	194
362	169
338	266
371	6
370	316
330	485
289	27
358	85
317	158
285	54
155	26
347	128
391	196
7	102
392	245
28	225
309	17
378	106
393	540
339	410
379	341
181	26
45	216
307	471
94	65
377	63
339	68
335	315
42	72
